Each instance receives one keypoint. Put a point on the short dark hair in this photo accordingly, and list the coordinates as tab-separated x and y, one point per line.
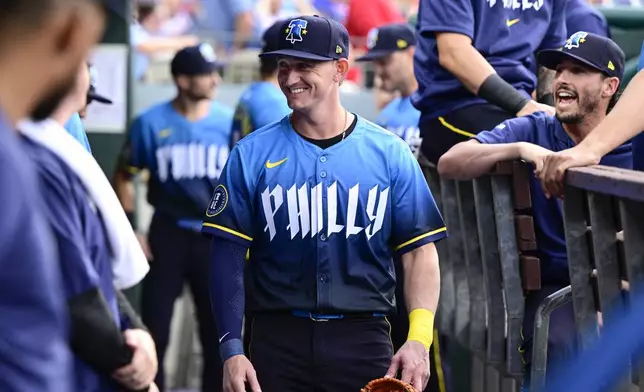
24	13
144	10
267	66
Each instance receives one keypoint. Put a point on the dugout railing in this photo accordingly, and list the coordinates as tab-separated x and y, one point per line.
488	263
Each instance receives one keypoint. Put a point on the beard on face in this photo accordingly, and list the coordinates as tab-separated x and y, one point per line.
586	104
54	97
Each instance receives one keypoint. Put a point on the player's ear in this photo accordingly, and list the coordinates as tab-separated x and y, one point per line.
610	86
342	67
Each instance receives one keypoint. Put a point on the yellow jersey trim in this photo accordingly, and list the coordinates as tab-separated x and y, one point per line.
227	230
420	237
453	128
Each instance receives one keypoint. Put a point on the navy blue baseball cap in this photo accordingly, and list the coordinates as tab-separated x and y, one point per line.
312	38
271	36
384	40
593	50
195	60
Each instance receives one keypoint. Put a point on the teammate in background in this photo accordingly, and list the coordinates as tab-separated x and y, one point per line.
75	127
184	144
391	49
624	122
262	103
106	359
473	63
325	200
92	94
34	355
581	16
588	72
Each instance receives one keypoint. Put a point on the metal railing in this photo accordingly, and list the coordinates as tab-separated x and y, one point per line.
488	264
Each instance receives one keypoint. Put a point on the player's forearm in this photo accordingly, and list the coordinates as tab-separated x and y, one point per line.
471	159
625	121
421	278
124	188
422	290
227	294
461	59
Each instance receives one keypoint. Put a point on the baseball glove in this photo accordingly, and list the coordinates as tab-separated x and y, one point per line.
387	385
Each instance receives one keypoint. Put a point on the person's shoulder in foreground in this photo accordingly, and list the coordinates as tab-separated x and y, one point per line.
31	297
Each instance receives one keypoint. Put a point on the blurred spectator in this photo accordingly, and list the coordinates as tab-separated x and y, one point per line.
179	17
146	41
334	9
362	16
268	12
230	22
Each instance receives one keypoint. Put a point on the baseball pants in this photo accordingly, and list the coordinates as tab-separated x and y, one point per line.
298	354
442	133
562	336
180	256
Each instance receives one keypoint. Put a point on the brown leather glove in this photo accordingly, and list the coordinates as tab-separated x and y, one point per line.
387	385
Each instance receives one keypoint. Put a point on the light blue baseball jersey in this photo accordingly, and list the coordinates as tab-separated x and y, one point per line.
184	158
74	127
401	118
261	104
323	225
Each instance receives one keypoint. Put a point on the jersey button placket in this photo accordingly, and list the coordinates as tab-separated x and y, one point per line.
323	286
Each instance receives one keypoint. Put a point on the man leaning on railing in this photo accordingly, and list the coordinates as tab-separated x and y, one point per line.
588	73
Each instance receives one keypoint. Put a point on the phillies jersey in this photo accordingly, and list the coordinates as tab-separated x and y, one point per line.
184	157
323	225
401	118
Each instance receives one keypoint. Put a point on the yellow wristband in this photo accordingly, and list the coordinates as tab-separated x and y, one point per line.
421	326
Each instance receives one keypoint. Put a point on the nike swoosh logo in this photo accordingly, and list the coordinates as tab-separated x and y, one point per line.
511	22
222	338
270	165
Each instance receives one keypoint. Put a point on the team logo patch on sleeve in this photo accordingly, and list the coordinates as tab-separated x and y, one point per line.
218	202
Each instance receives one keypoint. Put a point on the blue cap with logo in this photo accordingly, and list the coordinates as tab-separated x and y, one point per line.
195	60
593	50
384	40
312	38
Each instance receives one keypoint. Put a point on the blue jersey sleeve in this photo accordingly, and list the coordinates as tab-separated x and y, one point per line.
453	16
556	35
138	147
75	128
416	219
520	129
77	271
230	211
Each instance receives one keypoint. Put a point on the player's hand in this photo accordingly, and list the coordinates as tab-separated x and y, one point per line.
143	241
141	371
413	359
555	165
534	154
237	372
533	106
